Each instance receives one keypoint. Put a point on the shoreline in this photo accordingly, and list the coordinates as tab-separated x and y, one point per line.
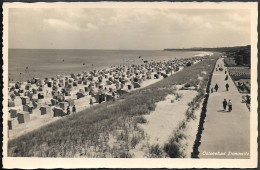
30	73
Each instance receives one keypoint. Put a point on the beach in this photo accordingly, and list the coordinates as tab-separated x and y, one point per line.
102	87
83	86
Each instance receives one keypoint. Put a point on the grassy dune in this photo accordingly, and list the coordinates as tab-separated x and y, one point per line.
176	145
109	129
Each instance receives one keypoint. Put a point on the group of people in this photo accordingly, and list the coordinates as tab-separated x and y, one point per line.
73	110
216	87
219	68
225	103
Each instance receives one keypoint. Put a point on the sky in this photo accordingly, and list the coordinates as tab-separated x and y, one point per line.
132	28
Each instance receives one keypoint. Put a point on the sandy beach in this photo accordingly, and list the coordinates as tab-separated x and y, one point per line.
162	122
38	120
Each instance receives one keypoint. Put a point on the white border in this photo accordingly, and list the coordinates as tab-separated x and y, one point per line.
29	163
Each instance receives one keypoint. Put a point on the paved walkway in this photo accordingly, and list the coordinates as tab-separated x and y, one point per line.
225	134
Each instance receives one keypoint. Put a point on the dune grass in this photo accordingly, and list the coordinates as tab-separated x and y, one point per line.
105	130
175	147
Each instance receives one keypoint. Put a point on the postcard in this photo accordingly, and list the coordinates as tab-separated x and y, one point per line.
130	85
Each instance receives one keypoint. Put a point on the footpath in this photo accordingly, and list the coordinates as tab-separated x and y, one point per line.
226	134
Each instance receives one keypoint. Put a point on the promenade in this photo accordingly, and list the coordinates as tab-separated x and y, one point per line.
226	134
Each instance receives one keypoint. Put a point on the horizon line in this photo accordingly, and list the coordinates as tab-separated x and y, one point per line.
76	49
183	48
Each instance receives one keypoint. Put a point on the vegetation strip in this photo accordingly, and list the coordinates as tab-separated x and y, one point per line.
195	153
174	147
93	129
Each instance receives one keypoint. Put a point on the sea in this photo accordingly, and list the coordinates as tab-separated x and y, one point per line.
24	64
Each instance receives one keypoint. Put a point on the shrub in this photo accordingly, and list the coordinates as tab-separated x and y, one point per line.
134	141
140	119
183	125
123	154
178	96
172	149
155	151
190	114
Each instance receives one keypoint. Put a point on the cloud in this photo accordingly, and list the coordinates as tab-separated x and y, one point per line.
60	24
91	27
239	17
127	28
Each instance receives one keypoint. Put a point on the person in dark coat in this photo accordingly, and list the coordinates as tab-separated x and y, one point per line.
211	90
227	86
74	109
224	104
100	99
225	71
247	99
216	87
68	110
226	77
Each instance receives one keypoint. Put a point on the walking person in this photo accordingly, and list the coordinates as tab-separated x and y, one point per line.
113	95
74	109
100	99
68	110
90	102
224	104
247	99
226	77
211	90
229	105
216	87
225	71
227	86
